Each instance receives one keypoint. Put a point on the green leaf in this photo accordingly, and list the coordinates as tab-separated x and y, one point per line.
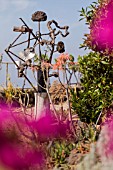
104	62
81	19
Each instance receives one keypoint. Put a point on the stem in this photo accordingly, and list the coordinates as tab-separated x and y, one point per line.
47	90
70	77
60	80
70	114
76	77
96	124
55	113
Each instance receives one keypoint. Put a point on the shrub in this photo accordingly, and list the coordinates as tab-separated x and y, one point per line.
97	82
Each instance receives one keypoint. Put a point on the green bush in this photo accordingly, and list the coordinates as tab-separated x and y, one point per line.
97	83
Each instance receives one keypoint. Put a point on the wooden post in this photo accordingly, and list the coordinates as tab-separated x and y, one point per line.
7	74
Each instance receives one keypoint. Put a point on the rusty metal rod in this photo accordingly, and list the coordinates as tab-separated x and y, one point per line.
18	68
28	40
16	39
40	57
28	28
16	56
7	69
21	43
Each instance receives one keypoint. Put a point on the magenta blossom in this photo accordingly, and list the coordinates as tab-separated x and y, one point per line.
19	158
49	127
14	153
102	28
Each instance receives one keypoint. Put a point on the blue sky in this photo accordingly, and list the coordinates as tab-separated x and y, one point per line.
65	12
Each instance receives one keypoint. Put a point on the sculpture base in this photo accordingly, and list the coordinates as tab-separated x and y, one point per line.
42	105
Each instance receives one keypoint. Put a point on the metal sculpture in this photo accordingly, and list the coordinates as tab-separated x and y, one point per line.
26	56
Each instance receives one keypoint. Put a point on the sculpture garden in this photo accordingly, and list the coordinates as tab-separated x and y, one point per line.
65	124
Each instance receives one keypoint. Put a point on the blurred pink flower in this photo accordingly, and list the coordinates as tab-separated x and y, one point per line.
13	153
102	27
48	127
17	157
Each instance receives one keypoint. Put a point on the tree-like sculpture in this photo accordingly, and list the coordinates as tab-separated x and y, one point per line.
25	58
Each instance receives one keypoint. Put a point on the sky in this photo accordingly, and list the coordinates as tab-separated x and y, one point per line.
65	12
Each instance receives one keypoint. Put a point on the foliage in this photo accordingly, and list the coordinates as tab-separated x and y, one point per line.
1	58
101	152
44	57
10	92
97	82
60	150
88	13
86	132
17	96
95	96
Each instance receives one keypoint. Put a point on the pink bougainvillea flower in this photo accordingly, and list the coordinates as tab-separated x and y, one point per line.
101	28
18	157
14	154
48	127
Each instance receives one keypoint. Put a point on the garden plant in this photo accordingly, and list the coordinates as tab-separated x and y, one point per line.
79	138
